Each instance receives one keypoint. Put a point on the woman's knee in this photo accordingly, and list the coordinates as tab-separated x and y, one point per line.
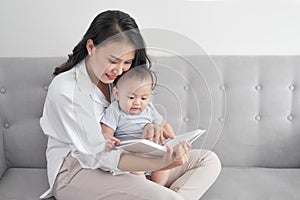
213	160
206	157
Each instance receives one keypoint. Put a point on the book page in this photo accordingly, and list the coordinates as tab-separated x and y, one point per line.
148	148
189	137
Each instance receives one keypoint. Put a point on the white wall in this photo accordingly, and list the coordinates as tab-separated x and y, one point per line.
53	27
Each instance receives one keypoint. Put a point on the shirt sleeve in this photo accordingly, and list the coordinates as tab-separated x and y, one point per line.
156	117
111	116
70	119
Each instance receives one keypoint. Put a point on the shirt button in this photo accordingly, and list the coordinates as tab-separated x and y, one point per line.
2	90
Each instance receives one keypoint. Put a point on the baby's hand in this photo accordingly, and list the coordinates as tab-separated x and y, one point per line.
112	143
153	132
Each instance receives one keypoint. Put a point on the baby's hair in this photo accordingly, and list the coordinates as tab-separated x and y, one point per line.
141	72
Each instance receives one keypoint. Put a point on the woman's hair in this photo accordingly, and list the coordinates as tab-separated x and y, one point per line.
141	72
111	25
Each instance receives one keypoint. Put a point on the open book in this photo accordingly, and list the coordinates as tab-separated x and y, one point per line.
148	148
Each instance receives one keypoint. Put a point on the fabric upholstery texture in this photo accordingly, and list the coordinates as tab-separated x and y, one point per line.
23	183
2	156
248	183
248	104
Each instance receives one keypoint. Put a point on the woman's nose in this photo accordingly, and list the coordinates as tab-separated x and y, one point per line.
118	69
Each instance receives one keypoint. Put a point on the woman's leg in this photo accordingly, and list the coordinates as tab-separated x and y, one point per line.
194	178
76	183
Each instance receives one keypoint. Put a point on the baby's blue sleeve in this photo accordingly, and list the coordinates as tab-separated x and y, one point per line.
110	116
156	117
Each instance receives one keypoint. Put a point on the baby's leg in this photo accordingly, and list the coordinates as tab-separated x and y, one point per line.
140	174
160	177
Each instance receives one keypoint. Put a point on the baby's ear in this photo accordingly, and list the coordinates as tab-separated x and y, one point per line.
115	91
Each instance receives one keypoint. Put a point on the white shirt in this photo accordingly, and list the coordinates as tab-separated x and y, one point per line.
72	111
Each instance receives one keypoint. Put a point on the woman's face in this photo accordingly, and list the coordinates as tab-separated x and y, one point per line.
106	62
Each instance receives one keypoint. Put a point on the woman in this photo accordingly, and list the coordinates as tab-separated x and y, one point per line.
77	163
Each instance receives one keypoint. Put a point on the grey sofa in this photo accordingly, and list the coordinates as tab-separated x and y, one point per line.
250	106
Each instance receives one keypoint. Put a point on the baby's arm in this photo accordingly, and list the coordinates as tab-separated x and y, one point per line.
108	134
168	131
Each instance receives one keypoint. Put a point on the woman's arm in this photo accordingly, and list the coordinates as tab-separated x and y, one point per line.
173	157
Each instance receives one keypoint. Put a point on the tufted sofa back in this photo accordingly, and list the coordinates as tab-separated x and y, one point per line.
23	88
250	106
262	124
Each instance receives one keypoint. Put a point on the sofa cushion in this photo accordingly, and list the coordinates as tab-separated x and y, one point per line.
255	183
23	183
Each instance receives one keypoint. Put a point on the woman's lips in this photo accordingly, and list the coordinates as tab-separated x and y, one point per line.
111	77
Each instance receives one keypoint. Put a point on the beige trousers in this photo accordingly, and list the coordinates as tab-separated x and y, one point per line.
188	182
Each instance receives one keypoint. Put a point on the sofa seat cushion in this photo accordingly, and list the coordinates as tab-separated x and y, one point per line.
23	183
255	183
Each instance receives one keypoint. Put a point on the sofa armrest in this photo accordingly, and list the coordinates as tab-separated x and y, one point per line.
3	166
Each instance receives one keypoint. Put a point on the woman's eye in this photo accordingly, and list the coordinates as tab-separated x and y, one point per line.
112	62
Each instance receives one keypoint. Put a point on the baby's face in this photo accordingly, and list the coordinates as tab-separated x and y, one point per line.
133	95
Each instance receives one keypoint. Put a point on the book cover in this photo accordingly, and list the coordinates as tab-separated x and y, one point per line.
148	148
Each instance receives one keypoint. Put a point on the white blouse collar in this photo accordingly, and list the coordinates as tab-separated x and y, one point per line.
85	84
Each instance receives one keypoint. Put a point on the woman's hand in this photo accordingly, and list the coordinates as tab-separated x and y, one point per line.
153	132
112	143
174	157
177	156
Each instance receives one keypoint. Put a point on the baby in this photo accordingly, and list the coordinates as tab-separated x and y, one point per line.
126	117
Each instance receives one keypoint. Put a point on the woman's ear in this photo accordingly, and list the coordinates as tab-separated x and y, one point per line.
90	46
115	91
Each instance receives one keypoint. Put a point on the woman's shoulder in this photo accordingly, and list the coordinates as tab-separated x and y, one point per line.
63	83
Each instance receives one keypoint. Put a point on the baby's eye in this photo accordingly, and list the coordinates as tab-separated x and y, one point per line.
131	97
144	98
